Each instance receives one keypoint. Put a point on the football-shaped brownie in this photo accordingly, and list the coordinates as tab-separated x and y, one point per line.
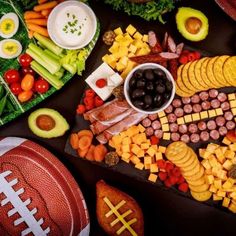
38	196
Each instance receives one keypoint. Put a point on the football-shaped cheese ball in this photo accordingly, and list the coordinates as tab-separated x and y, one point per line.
38	196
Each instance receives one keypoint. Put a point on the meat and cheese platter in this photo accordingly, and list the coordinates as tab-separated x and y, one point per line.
162	112
33	65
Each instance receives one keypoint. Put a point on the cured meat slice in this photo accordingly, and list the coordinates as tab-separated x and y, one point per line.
185	138
222	97
228	115
186	100
204	96
154	42
204	135
156	124
149	131
220	121
206	105
146	122
195	98
215	103
158	133
211	125
183	129
225	106
171	118
153	116
197	108
101	138
132	119
176	103
175	137
174	127
99	126
193	128
214	134
188	108
179	48
223	131
213	93
169	109
179	112
202	125
230	125
195	138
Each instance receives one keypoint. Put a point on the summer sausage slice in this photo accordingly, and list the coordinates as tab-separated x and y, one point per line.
175	137
197	108
215	103
204	96
179	112
223	131
228	115
183	129
211	125
230	125
195	98
153	117
174	127
206	105
195	138
169	109
192	128
214	134
176	103
225	106
171	118
213	93
202	125
156	124
185	138
149	131
222	97
186	100
188	108
146	122
220	121
158	133
204	135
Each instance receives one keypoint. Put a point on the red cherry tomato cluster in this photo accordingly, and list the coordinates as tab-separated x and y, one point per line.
171	175
90	101
23	83
187	56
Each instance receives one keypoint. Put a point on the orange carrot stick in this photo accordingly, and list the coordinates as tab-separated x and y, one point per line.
42	1
39	29
46	12
45	6
32	15
31	34
42	22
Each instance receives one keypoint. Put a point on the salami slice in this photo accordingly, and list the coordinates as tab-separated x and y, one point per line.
171	118
195	98
215	103
149	131
179	112
230	125
175	137
206	105
195	138
188	108
156	124
176	103
202	125
223	131
213	93
228	115
185	138
153	117
158	133
146	122
183	129
204	135
220	121
192	128
204	96
197	108
222	97
174	127
214	134
186	100
225	106
169	109
211	125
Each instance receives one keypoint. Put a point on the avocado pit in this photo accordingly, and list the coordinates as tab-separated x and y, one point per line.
45	122
193	25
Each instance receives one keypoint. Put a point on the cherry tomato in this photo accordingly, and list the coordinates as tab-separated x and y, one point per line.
12	76
25	96
27	82
41	86
25	60
27	70
16	88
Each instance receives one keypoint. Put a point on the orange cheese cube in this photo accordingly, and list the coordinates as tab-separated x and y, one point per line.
216	197
147	160
135	149
228	183
210	179
232	207
152	178
126	155
125	160
206	155
140	153
139	138
131	29
141	128
201	152
213	189
227	164
163	120
145	146
219	153
218	183
226	141
221	193
153	168
153	146
233	195
145	38
232	147
229	154
126	141
162	149
125	148
147	166
212	161
151	151
139	166
224	149
118	31
161	114
134	159
206	164
226	202
159	156
211	147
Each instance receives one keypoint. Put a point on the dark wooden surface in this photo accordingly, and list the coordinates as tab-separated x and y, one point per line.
165	213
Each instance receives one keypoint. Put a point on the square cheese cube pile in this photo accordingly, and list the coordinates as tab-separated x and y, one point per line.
128	44
133	147
217	161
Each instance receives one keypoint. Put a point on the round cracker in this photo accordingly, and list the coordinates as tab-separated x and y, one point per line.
210	73
191	161
229	70
192	172
193	79
193	165
197	182
176	151
185	78
197	176
218	70
184	158
181	93
204	74
200	188
197	72
201	197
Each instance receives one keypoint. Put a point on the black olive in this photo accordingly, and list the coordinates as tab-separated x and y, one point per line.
158	101
138	103
138	74
160	88
159	73
141	83
132	82
169	86
137	93
150	86
148	100
149	74
166	96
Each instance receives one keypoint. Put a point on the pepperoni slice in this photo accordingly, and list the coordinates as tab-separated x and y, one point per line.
169	109
214	134
223	131
204	135
192	128
156	124
158	133
174	127
202	125
195	98
183	129
185	138
146	122
204	96
230	125
197	108
215	103
220	121
228	115
225	106
149	131
195	138
206	105
175	137
211	125
213	93
153	117
222	97
179	112
176	103
186	100
188	108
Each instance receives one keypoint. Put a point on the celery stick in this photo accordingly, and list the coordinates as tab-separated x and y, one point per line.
59	74
51	54
46	42
47	64
41	45
53	80
71	68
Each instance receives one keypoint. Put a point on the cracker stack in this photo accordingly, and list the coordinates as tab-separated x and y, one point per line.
192	170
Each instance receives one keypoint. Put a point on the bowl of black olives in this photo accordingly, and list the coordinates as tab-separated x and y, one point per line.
149	88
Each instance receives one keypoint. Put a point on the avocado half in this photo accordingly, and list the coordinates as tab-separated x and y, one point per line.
192	23
47	123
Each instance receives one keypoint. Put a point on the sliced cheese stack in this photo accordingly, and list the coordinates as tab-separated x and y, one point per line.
192	170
